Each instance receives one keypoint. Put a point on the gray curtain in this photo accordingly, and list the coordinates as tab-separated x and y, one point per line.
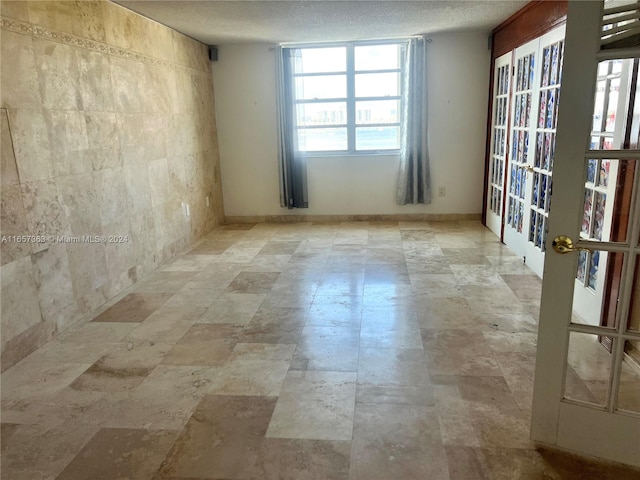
414	182
292	164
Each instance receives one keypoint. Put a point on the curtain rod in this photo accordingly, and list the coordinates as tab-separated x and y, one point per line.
299	44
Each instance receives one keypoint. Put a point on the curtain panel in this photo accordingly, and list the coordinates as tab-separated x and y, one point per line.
414	178
292	164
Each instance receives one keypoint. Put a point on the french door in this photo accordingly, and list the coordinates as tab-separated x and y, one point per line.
537	75
586	397
538	195
498	148
523	112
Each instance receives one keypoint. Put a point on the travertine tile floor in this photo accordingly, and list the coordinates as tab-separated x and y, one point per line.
363	351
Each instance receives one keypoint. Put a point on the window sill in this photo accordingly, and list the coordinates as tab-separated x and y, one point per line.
385	153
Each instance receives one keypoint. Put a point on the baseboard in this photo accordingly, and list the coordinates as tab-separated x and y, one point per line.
414	217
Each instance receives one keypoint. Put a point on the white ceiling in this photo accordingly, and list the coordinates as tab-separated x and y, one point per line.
221	22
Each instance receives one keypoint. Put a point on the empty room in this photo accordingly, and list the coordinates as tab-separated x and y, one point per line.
320	240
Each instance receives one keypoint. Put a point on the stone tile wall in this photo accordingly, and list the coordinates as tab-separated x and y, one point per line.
108	128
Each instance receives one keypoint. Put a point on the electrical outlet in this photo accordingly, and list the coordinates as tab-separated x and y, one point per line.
441	191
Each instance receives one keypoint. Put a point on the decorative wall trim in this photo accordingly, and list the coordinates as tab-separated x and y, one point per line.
531	21
417	217
27	28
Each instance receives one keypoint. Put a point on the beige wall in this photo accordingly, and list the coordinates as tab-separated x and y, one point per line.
458	82
108	128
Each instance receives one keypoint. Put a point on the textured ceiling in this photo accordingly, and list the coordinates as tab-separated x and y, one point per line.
221	22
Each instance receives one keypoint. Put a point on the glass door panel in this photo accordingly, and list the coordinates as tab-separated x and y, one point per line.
498	147
628	398
597	224
524	109
596	373
588	370
634	310
587	381
606	199
601	366
547	98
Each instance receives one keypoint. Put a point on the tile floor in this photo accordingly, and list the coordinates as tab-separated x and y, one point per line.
362	351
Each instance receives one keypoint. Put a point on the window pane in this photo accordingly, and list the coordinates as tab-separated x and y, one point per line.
588	369
377	57
377	84
603	68
614	89
317	60
324	86
617	66
377	138
598	109
383	111
330	113
634	310
629	386
616	112
322	139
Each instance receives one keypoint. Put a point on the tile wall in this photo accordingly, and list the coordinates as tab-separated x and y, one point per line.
108	129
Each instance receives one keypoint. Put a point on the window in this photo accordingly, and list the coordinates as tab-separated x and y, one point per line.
348	97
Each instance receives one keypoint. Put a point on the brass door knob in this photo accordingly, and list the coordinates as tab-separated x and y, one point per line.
563	244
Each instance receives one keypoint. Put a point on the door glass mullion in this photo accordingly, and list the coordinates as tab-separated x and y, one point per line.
591	372
628	275
497	163
547	101
634	217
630	271
522	121
627	392
626	395
613	154
608	269
618	355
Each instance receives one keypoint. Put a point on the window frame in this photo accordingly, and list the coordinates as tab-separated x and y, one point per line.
350	100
